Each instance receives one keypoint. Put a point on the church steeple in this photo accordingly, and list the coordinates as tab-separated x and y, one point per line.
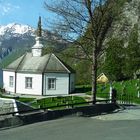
37	48
39	28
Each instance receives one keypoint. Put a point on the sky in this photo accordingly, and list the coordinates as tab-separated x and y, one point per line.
23	12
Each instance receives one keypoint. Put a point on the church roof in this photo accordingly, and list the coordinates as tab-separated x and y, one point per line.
46	63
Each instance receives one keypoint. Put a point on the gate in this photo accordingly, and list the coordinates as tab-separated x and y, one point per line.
125	98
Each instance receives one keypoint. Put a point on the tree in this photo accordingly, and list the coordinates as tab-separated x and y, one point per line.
132	53
49	49
82	66
86	19
114	59
83	72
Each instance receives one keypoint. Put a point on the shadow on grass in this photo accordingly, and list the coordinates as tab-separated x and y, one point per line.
82	89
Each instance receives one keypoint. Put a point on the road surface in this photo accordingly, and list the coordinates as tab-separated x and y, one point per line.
124	125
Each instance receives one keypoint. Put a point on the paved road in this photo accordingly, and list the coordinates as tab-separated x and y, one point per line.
130	113
124	125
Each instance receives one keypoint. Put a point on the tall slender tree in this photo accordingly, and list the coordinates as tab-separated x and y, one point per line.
114	59
86	19
132	53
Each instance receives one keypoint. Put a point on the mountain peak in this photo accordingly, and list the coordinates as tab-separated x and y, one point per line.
15	28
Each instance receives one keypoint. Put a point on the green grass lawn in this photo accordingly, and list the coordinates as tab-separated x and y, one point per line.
26	100
51	102
55	102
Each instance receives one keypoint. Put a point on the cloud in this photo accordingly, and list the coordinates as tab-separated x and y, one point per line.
6	8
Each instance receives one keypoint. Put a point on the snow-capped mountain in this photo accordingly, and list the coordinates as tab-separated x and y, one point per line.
15	36
18	36
16	29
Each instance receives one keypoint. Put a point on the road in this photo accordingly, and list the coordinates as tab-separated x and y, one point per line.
124	125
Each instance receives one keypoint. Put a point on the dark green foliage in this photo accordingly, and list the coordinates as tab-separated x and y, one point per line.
122	62
83	72
47	50
132	61
82	66
114	60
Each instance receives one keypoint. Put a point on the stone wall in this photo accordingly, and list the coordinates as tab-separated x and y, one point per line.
28	118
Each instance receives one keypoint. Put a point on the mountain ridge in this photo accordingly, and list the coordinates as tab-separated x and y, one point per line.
16	28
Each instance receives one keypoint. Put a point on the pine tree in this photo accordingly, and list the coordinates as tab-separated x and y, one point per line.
114	60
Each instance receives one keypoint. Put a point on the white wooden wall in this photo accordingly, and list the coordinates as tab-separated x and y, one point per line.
6	75
62	84
36	84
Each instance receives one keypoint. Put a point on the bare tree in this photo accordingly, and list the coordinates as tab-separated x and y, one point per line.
85	22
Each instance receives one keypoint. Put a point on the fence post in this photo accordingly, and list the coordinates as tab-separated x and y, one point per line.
110	93
114	95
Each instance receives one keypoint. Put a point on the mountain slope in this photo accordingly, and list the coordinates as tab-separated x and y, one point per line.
15	36
129	17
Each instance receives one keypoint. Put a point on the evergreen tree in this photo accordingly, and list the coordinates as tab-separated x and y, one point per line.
132	60
114	59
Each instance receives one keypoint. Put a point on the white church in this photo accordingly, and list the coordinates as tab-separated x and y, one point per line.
37	74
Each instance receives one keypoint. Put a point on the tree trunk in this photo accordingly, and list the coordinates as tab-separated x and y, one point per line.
94	76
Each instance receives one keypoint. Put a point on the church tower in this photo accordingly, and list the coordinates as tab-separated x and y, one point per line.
37	48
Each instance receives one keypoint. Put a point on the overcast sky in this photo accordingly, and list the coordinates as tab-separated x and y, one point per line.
23	11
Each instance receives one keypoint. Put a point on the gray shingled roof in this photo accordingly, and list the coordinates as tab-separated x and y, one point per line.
46	63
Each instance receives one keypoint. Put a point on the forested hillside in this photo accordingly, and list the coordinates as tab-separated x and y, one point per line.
121	58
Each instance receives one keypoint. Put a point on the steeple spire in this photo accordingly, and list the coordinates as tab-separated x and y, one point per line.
37	48
39	28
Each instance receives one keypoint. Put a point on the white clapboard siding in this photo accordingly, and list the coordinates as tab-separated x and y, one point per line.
62	84
36	84
6	75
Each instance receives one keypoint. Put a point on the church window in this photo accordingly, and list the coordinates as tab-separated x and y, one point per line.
28	82
51	83
11	81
